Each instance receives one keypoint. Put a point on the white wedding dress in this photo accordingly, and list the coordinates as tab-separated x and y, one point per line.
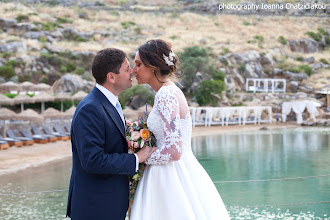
174	185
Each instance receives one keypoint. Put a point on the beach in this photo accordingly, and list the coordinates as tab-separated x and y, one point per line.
15	159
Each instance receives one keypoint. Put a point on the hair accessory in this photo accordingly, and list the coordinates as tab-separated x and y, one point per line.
169	59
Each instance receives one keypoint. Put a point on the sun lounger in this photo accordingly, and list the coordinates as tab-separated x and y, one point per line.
37	131
67	128
62	137
26	141
4	145
12	141
58	129
37	138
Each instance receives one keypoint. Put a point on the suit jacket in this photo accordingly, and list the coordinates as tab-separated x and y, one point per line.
100	162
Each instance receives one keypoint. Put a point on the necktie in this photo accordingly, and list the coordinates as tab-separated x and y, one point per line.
120	111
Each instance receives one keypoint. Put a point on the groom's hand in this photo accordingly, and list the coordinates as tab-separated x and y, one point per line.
145	153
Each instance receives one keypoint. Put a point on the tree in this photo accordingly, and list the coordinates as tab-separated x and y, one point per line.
208	90
193	59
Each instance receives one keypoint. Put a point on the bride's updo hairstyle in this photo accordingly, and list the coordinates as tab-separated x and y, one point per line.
158	55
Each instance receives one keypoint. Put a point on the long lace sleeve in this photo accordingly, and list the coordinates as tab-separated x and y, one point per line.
170	148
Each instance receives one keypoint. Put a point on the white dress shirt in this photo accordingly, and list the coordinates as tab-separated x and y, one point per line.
113	100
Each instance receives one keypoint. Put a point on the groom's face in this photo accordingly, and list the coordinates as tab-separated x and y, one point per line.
123	79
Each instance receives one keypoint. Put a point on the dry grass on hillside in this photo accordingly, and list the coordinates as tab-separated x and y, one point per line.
182	30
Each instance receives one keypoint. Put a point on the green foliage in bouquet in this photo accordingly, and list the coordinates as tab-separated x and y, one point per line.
138	136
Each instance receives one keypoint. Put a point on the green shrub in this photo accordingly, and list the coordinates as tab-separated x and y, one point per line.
63	69
6	55
12	63
218	75
282	40
7	71
294	69
80	39
327	40
70	66
20	18
307	69
79	71
64	20
206	91
324	61
259	39
43	39
174	37
138	30
300	58
241	68
225	50
44	79
127	24
49	26
246	23
137	90
315	36
322	31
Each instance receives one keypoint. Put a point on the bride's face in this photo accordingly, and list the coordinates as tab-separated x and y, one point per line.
142	73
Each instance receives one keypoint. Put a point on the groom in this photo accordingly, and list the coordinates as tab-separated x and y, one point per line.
100	162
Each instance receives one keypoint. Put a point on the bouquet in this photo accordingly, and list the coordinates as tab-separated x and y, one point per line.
138	136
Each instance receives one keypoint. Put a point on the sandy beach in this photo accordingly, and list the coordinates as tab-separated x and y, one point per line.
15	159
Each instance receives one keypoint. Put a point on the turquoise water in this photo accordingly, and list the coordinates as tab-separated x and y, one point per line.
262	155
259	155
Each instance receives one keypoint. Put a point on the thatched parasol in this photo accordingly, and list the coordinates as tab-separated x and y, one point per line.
62	97
6	114
31	115
52	113
27	86
70	112
130	114
21	99
9	86
79	95
4	100
42	87
43	97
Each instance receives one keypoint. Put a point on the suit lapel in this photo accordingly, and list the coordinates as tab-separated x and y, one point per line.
110	109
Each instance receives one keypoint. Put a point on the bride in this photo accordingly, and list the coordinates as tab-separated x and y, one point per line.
174	185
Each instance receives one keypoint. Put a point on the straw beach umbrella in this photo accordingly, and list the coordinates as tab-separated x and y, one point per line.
6	114
4	100
52	113
62	97
21	99
43	97
42	87
79	95
31	115
9	87
27	86
70	112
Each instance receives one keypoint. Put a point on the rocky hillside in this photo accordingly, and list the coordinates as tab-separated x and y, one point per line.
44	42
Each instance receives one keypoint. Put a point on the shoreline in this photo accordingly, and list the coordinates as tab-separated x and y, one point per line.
16	159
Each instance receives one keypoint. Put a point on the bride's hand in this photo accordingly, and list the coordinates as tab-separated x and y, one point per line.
145	153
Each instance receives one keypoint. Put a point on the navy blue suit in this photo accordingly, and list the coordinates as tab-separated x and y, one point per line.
100	163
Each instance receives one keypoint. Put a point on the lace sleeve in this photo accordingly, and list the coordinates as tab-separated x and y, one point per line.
170	150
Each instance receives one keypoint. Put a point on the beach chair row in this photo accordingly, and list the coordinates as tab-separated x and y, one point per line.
39	135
